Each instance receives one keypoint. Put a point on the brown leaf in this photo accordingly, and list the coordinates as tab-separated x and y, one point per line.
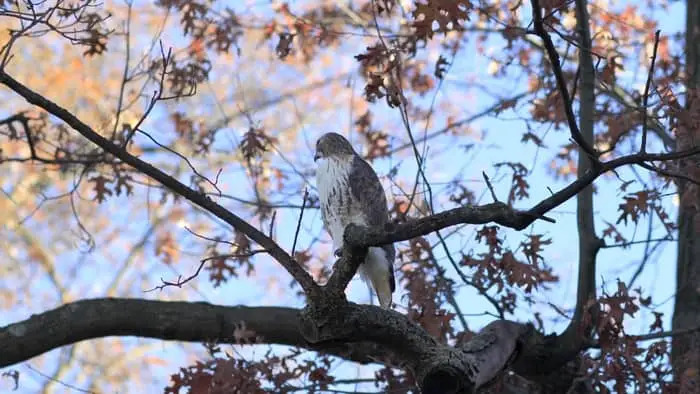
635	205
658	323
449	15
440	67
101	189
533	247
253	143
166	247
612	232
284	45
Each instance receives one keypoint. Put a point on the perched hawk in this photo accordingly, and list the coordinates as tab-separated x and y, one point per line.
350	192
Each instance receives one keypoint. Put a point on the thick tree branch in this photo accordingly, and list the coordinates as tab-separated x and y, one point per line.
298	273
176	321
365	334
685	357
588	242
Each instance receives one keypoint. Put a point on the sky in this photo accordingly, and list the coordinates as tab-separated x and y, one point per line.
502	143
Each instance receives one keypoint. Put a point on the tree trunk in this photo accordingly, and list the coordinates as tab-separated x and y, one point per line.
686	315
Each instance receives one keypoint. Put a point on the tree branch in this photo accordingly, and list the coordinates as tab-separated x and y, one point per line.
588	242
174	321
499	213
298	273
559	75
624	98
645	97
366	334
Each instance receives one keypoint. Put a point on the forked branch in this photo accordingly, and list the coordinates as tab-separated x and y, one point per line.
553	56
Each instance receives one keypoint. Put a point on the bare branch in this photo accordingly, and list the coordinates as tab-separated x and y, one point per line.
588	241
490	186
645	98
498	213
298	273
665	334
125	74
301	216
559	75
644	241
669	173
180	281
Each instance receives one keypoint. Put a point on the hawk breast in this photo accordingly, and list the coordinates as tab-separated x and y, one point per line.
337	203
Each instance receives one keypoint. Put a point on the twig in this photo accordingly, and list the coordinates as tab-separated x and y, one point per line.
157	96
301	216
125	75
656	335
261	204
461	122
154	98
272	224
180	282
209	238
645	241
647	255
561	82
62	383
664	334
645	99
490	186
293	268
7	48
668	173
183	157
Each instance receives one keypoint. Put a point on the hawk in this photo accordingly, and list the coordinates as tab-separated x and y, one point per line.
350	192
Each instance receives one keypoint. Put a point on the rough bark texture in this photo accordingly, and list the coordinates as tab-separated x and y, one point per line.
359	333
686	314
588	242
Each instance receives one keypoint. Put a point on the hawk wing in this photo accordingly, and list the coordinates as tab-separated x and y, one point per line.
368	192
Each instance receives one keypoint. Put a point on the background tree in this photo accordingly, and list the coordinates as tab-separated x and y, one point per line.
686	361
161	155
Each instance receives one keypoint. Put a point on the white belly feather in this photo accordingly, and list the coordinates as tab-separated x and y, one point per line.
332	180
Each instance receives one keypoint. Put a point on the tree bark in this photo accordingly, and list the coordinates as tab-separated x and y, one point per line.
685	357
359	333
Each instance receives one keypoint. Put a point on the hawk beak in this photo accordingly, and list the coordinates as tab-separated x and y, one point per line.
317	156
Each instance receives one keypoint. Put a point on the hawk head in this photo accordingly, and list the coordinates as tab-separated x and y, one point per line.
332	144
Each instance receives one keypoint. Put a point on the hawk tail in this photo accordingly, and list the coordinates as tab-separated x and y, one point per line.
383	290
380	274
